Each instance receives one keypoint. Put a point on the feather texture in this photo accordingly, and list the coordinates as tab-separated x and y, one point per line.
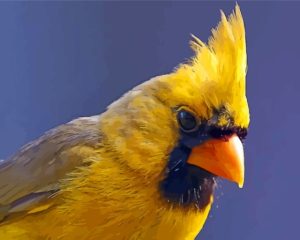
98	178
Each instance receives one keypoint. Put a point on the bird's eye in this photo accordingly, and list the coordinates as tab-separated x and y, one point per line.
187	121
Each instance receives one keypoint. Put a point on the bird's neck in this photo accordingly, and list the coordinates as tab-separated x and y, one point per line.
118	203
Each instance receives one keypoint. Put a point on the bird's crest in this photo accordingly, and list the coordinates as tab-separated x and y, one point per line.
219	67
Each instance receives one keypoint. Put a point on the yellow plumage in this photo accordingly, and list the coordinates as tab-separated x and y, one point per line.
112	191
217	71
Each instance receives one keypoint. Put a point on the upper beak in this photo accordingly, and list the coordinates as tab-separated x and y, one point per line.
222	157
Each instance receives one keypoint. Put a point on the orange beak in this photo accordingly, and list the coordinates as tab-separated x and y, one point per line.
223	158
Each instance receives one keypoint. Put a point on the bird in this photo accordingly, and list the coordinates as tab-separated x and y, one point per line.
145	168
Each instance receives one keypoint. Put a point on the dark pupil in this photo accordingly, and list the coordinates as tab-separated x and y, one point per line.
186	120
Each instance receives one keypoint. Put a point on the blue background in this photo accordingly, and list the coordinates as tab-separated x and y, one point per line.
62	60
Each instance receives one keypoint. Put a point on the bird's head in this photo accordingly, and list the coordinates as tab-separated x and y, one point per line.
182	130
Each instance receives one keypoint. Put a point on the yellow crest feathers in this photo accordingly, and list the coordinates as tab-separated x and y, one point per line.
219	67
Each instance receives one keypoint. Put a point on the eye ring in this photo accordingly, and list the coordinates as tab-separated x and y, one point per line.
187	120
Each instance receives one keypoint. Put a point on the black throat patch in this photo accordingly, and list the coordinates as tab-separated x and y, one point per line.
188	186
184	184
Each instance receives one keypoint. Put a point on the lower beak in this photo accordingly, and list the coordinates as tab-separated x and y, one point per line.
221	157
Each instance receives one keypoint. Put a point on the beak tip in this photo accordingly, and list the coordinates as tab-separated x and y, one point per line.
241	183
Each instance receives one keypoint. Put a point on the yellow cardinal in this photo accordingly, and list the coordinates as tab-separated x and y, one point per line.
145	168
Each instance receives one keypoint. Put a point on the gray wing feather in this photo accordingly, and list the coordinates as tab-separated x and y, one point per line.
35	170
